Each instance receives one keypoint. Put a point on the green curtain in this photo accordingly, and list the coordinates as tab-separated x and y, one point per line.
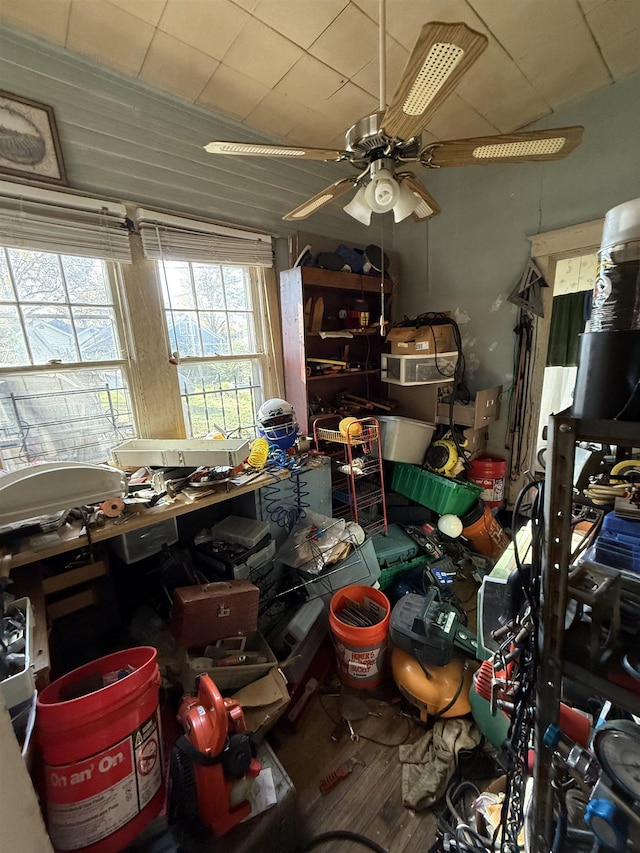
567	322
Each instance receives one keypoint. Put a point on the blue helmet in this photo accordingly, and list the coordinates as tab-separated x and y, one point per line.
277	423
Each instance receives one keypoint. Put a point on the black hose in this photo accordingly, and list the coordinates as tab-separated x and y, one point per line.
345	835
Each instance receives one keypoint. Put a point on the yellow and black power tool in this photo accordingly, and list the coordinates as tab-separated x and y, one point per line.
444	457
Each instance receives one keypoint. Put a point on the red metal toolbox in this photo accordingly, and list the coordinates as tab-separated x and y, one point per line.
206	612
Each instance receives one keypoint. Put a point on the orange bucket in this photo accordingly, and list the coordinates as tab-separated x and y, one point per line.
484	531
360	652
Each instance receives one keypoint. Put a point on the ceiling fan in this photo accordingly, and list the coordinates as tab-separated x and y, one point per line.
381	146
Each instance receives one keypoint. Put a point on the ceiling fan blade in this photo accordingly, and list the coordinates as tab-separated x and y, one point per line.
442	54
249	149
322	198
428	206
552	144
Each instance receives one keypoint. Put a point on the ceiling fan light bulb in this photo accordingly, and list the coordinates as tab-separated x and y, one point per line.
382	192
358	208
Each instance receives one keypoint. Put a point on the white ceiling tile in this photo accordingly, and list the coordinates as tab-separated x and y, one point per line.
147	10
208	25
47	20
108	34
349	43
302	21
614	21
247	5
549	41
405	18
586	77
275	114
231	92
622	56
349	104
172	65
313	129
510	116
590	5
457	120
368	78
261	53
310	81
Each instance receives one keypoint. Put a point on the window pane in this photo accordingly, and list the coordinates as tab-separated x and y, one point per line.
97	335
236	285
213	326
221	396
241	331
184	333
178	290
6	291
73	415
86	280
37	276
50	333
13	349
209	287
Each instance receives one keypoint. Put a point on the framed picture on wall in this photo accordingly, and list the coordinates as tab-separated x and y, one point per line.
29	144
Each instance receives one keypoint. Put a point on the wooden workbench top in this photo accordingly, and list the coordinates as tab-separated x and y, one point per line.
70	536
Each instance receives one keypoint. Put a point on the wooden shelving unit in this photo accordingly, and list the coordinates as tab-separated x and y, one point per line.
338	291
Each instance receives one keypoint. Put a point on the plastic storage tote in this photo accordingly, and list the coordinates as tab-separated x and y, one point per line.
418	369
404	439
437	493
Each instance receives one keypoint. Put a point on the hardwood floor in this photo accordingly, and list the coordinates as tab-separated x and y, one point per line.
369	800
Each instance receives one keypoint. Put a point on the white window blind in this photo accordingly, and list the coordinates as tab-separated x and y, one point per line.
172	238
49	221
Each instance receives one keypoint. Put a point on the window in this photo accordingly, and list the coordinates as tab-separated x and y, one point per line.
85	358
217	334
64	390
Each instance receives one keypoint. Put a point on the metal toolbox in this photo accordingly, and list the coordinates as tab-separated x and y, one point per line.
203	613
183	453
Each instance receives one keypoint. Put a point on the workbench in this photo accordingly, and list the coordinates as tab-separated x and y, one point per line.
22	560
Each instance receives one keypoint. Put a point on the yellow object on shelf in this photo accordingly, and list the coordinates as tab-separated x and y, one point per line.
258	454
350	427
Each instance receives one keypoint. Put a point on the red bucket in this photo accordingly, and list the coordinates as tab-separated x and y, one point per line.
489	473
102	752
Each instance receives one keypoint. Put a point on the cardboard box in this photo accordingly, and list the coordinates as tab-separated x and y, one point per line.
228	678
483	409
264	701
421	340
476	441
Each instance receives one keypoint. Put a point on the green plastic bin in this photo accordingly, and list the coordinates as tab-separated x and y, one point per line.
437	493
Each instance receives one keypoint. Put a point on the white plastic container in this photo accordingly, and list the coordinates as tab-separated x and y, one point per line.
405	439
18	689
240	531
181	452
418	369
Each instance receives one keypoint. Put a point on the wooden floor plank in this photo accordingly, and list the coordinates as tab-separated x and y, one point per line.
369	801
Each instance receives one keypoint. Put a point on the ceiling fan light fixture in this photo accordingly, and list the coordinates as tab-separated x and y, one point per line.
526	148
407	202
438	66
358	207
